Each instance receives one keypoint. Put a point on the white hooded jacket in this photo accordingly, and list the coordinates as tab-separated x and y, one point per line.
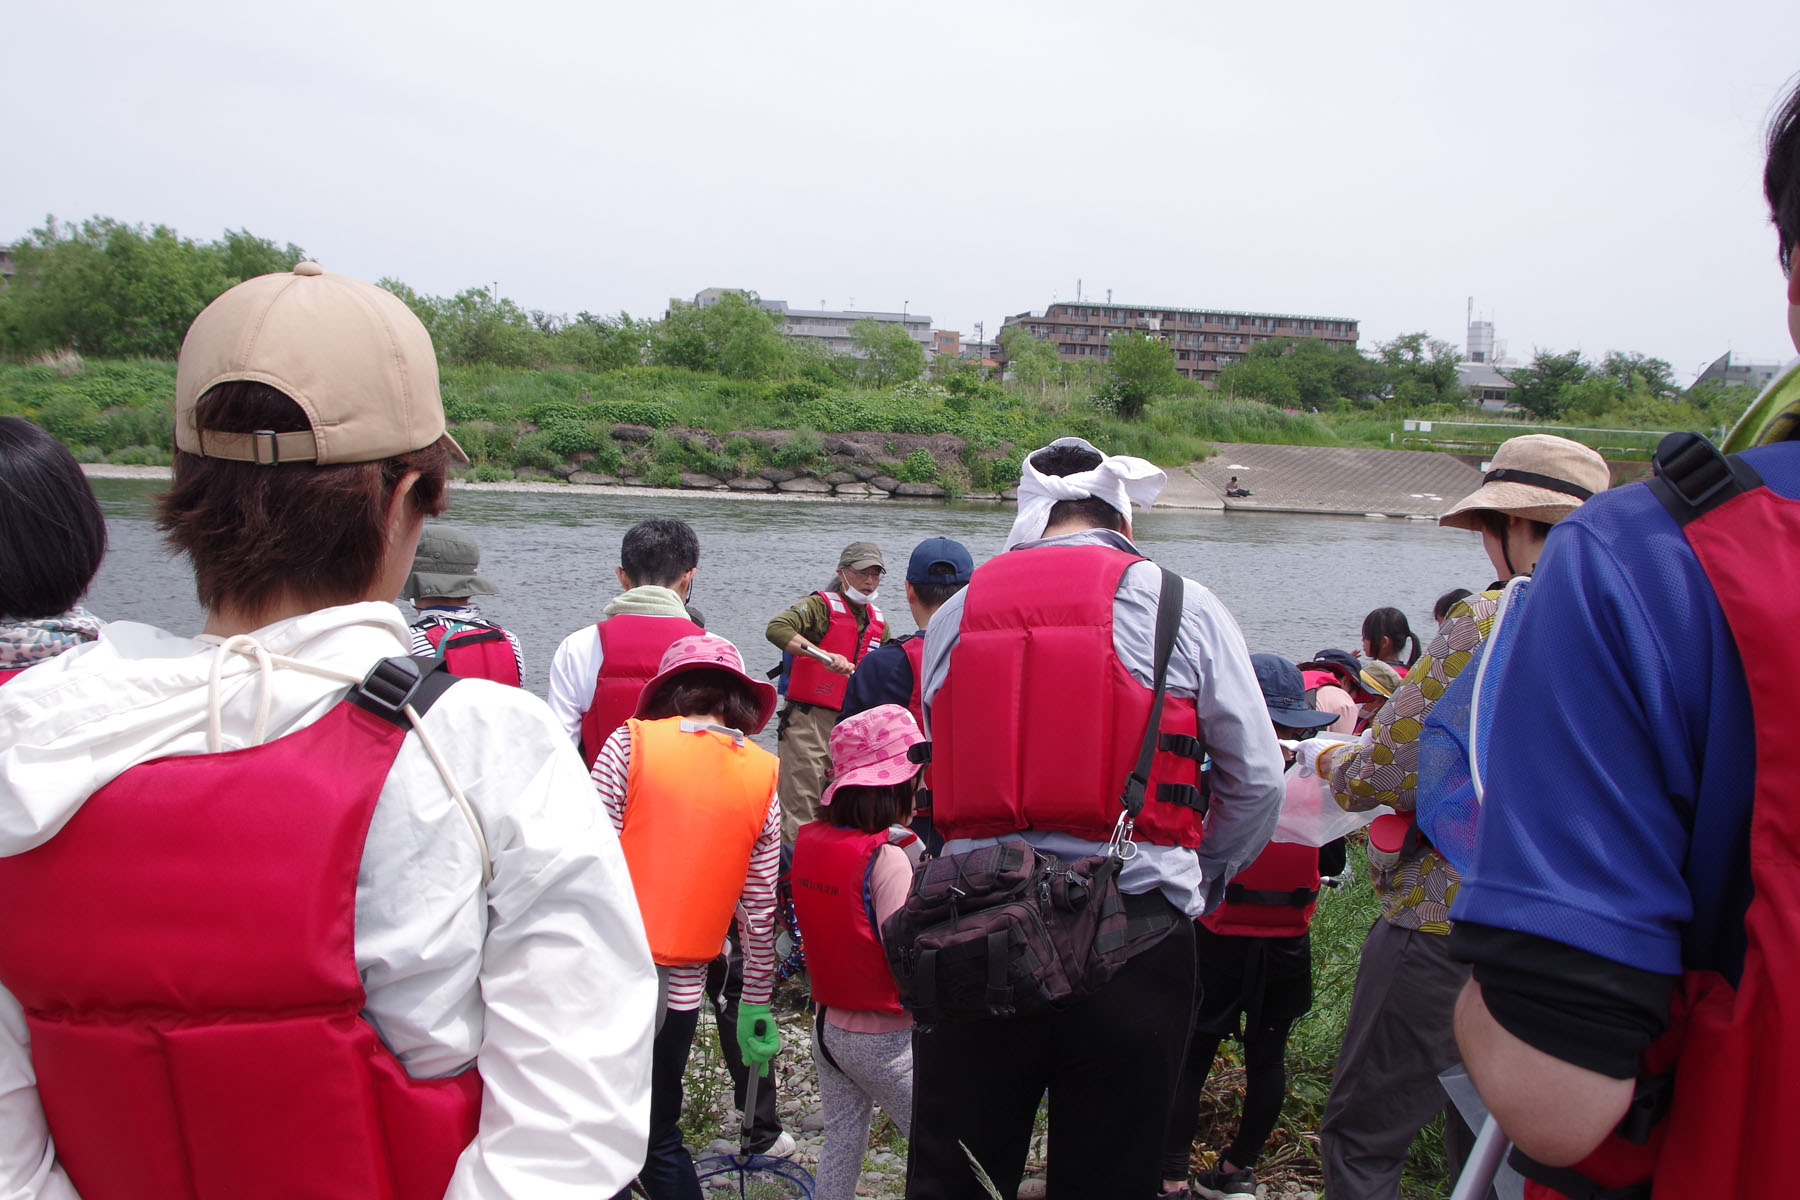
542	979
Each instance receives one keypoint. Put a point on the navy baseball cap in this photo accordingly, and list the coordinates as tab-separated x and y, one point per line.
938	551
1284	691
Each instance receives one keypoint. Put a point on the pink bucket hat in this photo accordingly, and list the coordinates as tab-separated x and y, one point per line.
869	749
708	651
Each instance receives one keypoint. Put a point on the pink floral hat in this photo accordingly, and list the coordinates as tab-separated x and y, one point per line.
704	651
869	749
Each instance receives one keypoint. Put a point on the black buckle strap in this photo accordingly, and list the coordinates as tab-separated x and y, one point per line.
1168	620
999	995
1186	795
919	752
394	683
1650	1103
1184	744
473	637
1693	477
1237	893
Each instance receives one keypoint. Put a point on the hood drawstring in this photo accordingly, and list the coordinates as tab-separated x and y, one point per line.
266	662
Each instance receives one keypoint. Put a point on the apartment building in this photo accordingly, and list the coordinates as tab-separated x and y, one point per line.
1204	341
827	327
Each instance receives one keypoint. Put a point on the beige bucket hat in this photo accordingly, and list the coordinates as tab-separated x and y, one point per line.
1538	476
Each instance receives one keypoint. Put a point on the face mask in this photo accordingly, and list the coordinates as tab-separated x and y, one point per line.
857	597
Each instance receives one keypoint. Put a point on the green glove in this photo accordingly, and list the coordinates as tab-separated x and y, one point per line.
758	1038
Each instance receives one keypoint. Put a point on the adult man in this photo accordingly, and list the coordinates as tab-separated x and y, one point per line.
1629	914
828	633
938	569
1037	693
305	919
598	671
450	627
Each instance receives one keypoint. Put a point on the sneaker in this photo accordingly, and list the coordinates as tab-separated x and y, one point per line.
782	1147
1215	1184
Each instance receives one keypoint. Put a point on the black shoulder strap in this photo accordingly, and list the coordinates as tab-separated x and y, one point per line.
1168	620
1692	477
394	683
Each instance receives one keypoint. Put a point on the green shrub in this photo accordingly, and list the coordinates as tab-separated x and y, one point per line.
919	467
534	450
70	418
654	413
140	456
799	391
571	437
489	473
661	474
801	449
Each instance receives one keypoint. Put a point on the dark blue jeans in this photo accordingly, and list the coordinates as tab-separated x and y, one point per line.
668	1172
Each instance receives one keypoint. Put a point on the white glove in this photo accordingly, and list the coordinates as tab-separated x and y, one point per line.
1315	756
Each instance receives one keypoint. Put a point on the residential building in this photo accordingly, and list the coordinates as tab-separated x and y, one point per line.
828	328
946	341
1204	341
1739	374
1487	386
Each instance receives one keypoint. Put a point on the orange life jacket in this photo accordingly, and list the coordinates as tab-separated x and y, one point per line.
696	801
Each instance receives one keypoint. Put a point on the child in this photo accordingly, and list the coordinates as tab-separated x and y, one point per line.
693	800
852	869
1385	635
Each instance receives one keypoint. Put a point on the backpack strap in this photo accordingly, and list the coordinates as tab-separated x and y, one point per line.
1692	477
394	683
1168	620
1237	893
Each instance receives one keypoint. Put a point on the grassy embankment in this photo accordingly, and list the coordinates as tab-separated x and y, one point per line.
548	422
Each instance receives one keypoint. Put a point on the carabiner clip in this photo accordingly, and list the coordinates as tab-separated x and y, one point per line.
1120	845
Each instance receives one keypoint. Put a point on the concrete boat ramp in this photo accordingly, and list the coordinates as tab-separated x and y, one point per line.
1417	484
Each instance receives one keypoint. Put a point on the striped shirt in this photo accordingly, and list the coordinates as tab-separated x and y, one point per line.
756	906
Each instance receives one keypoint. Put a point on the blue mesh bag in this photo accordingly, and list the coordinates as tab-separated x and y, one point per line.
1449	792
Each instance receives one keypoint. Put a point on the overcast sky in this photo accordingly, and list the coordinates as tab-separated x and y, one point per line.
1589	173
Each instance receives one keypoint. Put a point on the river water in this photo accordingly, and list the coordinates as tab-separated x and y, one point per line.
1295	583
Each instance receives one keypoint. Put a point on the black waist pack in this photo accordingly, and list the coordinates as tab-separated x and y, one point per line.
1004	931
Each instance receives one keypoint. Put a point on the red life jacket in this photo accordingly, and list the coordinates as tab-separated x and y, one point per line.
915	656
189	979
631	649
1038	723
811	681
1733	1051
474	651
1272	897
836	913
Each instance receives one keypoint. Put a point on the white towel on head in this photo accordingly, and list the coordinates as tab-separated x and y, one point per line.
1120	480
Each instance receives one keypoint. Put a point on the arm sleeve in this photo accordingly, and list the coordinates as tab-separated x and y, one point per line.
808	618
28	1167
1384	769
611	770
1573	1005
573	669
889	880
567	987
758	927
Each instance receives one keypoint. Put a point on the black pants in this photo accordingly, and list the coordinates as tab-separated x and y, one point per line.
1108	1064
1265	1087
724	988
668	1172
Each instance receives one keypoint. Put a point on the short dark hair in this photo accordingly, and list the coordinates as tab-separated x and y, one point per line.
872	808
1389	626
1092	511
659	552
1440	608
1781	178
254	532
703	691
933	594
52	536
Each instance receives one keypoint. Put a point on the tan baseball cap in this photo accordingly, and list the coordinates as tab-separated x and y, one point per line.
350	354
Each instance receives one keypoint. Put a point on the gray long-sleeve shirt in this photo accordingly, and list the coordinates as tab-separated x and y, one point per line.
1211	664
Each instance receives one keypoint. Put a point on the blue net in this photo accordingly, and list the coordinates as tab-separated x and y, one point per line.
752	1177
1448	810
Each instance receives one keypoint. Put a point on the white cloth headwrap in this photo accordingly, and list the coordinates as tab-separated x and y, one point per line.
1120	480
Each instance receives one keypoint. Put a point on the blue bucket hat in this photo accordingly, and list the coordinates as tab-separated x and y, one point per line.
1284	691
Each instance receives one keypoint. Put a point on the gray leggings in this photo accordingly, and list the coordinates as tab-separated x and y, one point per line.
872	1068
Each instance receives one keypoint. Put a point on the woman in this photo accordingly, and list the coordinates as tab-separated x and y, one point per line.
1399	1035
1386	635
52	538
323	924
694	803
852	870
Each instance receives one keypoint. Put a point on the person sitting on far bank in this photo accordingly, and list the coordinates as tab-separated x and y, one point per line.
938	569
292	912
693	801
829	633
450	626
52	538
1253	957
598	671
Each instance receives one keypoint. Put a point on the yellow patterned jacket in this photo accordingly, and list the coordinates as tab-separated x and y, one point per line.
1415	894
